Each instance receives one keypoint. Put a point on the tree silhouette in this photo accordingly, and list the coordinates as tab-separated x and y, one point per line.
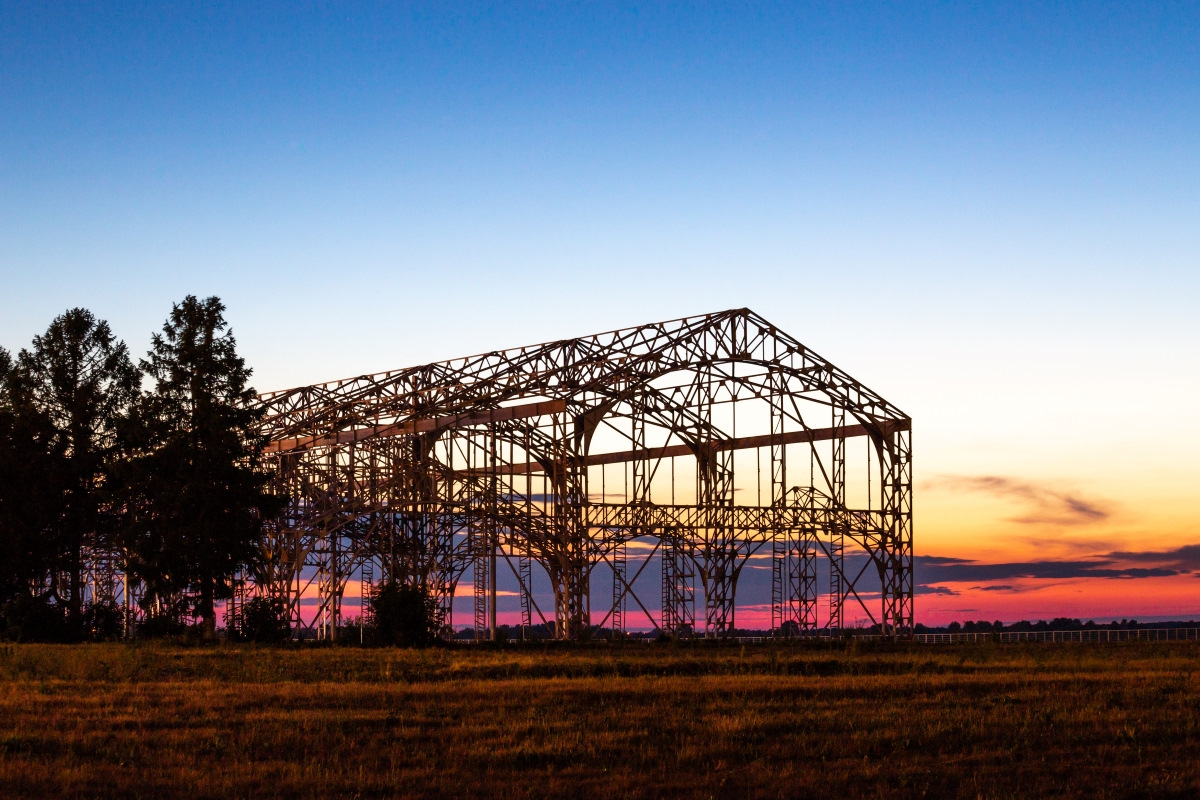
404	615
265	619
77	377
30	498
195	493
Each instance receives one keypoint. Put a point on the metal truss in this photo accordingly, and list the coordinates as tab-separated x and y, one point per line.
617	454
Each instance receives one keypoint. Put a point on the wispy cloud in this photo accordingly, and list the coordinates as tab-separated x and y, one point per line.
939	570
925	588
1044	506
1184	559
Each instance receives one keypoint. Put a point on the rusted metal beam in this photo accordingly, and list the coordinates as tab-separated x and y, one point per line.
740	443
463	420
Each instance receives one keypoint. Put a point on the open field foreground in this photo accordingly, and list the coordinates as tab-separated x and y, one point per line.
648	721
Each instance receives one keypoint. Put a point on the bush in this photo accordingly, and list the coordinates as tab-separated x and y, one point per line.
264	619
29	618
404	615
160	626
104	621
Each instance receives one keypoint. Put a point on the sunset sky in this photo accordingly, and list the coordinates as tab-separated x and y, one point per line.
988	213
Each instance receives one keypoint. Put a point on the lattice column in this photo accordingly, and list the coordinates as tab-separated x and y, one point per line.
806	567
779	559
481	536
366	608
714	475
679	586
618	555
837	532
639	498
235	605
444	576
896	571
493	529
479	569
525	569
569	565
525	553
327	580
782	558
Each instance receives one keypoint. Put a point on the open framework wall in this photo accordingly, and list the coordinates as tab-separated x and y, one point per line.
690	448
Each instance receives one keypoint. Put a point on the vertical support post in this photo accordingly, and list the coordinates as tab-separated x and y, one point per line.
493	532
778	582
619	577
366	608
679	585
714	493
782	559
525	555
896	559
127	620
569	565
806	567
480	538
479	565
837	522
640	500
525	568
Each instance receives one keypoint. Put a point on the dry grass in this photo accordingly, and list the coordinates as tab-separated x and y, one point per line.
980	721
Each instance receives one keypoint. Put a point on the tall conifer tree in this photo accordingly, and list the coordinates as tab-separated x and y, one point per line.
79	378
197	494
30	492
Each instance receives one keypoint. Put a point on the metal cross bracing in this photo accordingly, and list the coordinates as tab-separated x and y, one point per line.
106	581
618	455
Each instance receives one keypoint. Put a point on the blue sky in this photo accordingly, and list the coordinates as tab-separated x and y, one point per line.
988	212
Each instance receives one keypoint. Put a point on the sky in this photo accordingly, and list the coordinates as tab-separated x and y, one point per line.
986	212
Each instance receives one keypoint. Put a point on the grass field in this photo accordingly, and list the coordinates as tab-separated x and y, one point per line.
979	721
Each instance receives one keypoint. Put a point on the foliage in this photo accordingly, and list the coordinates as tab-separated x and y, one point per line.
31	459
35	618
77	377
160	626
104	621
404	615
264	619
195	492
172	478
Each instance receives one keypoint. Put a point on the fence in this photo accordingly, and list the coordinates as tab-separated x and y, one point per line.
1086	635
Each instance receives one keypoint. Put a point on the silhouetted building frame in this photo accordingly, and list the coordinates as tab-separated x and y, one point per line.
696	446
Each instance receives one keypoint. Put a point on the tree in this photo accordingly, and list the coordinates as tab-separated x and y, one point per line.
404	615
77	377
196	494
265	619
30	472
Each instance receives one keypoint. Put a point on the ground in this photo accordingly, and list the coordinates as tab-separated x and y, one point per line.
640	720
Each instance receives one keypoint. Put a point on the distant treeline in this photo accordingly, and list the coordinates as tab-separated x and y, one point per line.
1056	624
155	463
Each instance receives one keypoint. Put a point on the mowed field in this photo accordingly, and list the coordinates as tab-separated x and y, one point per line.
976	721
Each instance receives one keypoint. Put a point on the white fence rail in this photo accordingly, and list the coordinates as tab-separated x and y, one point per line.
1085	635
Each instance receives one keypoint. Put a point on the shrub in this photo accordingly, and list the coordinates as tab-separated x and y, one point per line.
160	626
265	619
29	618
404	615
104	621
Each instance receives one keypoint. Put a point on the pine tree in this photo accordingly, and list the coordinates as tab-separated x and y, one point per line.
78	377
196	493
30	496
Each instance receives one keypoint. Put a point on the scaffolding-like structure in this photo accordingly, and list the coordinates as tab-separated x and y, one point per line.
690	448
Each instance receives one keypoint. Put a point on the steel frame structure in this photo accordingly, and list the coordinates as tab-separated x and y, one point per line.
608	452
